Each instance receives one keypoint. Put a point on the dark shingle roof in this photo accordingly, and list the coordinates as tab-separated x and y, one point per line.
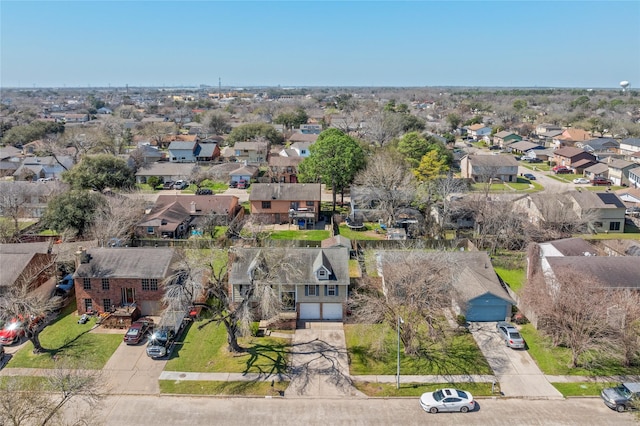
133	263
611	271
286	191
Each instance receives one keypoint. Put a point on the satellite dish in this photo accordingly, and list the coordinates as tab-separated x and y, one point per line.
624	84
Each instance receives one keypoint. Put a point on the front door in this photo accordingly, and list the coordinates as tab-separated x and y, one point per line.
128	296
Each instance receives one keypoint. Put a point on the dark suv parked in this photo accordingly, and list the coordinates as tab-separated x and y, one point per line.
623	397
204	191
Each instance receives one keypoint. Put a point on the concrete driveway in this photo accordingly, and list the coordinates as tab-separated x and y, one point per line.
131	371
517	372
319	364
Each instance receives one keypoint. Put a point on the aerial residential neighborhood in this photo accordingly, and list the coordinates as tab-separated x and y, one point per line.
319	213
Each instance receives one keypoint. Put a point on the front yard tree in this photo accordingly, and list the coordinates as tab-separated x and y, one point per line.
204	277
253	131
99	172
73	211
335	159
416	286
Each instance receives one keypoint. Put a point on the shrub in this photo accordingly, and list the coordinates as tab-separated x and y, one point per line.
461	320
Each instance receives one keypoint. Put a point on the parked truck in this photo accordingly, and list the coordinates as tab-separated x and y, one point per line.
162	339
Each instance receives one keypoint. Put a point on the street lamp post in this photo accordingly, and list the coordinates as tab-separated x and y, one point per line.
400	321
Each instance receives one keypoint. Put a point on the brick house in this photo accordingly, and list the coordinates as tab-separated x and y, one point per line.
569	156
29	263
284	169
278	203
107	279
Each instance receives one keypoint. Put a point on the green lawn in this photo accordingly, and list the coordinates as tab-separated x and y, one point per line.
515	278
347	232
369	354
556	360
354	269
65	338
312	235
382	390
582	389
200	387
633	235
205	350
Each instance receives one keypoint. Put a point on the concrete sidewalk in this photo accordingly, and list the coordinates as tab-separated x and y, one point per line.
426	379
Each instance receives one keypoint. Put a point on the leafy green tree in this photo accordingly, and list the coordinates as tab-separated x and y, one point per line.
431	166
219	123
292	119
73	211
414	146
411	123
519	104
20	135
250	131
99	172
390	106
335	158
153	181
454	121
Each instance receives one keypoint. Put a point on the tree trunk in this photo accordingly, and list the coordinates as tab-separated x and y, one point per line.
232	338
333	193
37	346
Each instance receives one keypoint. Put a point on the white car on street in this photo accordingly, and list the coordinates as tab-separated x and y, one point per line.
581	180
447	400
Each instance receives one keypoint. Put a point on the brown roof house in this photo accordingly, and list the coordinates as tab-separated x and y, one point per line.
177	216
570	157
284	169
30	263
127	280
482	168
317	292
278	203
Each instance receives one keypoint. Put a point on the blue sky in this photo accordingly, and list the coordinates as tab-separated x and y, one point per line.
308	43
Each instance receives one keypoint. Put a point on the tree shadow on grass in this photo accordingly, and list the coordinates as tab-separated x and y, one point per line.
267	360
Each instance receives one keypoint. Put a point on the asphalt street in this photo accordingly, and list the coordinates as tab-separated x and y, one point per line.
178	410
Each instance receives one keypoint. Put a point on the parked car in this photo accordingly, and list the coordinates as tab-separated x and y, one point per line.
632	211
12	332
137	332
529	176
233	184
447	400
204	191
83	319
180	184
581	180
510	335
561	169
66	283
600	181
623	397
243	184
533	160
168	184
494	147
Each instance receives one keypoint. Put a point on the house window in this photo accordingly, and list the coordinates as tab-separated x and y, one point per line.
149	229
149	284
614	226
88	305
106	304
303	152
322	274
105	283
311	290
266	204
86	283
309	204
332	290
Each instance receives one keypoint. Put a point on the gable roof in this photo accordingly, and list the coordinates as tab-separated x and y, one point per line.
166	169
569	151
122	262
525	145
492	160
611	271
584	162
336	240
251	146
596	200
599	144
281	161
572	247
245	170
166	217
203	204
597	168
631	141
336	259
286	191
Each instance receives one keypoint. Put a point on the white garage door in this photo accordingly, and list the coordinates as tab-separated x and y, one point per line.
332	311
309	311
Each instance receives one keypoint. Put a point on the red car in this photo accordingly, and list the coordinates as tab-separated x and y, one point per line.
137	332
562	169
600	181
12	332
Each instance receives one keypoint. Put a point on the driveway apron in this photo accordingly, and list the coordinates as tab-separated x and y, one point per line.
131	371
319	364
518	374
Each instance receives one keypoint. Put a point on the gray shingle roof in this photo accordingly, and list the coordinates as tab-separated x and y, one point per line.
611	271
133	263
286	191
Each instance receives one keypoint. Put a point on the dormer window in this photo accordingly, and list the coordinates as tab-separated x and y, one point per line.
322	274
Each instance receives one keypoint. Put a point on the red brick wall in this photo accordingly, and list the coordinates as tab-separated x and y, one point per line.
97	294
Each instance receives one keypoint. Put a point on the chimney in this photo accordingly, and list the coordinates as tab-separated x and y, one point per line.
82	256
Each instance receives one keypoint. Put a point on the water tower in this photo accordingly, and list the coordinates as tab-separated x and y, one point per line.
624	84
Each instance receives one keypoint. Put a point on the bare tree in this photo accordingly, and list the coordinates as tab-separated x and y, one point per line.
14	198
26	402
114	222
388	183
205	278
624	318
415	286
572	308
382	127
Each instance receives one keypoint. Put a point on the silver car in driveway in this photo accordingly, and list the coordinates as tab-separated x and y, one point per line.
510	335
447	400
